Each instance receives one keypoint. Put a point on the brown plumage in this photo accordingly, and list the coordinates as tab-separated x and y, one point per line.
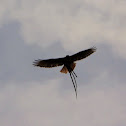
68	63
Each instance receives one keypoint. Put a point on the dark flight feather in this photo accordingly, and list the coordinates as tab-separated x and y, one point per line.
82	54
60	61
49	62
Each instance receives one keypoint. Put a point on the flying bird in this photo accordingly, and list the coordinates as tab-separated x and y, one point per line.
68	63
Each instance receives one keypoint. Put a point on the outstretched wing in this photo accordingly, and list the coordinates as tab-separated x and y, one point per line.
83	54
49	62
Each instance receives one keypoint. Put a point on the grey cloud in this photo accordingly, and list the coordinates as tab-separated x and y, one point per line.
46	105
38	96
17	58
73	23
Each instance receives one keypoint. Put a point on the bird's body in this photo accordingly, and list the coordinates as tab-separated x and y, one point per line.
68	68
68	63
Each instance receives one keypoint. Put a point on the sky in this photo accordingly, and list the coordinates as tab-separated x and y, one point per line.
42	29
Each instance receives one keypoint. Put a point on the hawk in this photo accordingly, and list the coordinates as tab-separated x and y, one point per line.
68	63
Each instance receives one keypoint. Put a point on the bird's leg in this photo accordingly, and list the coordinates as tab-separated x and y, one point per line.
71	70
73	84
74	73
74	79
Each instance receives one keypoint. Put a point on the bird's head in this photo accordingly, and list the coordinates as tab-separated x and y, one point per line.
67	56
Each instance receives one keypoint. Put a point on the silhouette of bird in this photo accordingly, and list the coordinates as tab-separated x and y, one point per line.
68	63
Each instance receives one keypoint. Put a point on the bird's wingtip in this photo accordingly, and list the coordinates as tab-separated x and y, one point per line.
35	63
94	49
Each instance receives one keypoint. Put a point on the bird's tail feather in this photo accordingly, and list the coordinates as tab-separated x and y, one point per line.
73	66
65	70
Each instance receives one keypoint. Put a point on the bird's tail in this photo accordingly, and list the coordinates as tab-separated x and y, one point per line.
65	70
73	66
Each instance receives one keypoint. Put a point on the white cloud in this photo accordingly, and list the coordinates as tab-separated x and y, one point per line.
76	24
45	104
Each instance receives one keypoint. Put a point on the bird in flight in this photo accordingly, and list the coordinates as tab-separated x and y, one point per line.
68	63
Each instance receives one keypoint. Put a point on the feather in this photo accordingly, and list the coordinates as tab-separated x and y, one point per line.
49	62
82	54
64	70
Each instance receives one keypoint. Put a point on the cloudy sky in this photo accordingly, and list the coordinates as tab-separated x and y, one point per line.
32	29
